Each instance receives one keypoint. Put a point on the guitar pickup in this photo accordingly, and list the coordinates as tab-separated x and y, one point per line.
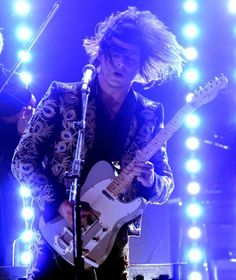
108	195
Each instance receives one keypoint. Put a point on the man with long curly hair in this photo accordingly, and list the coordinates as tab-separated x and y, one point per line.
128	46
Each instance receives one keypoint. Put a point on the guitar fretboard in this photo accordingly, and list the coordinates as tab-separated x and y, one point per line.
126	176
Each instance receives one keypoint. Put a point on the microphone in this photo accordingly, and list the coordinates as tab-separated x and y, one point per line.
89	73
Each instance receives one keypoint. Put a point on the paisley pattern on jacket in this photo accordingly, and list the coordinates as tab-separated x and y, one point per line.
46	152
51	138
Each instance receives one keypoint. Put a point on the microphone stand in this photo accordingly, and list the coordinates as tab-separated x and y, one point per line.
33	41
74	196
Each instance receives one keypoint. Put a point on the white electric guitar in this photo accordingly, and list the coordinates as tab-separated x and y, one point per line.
102	188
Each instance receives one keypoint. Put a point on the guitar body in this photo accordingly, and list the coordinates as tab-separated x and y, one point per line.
109	214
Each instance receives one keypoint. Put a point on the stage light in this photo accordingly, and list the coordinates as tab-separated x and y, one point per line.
24	56
191	53
195	275
26	258
190	6
193	165
24	33
191	76
25	191
27	236
27	213
191	31
193	188
232	6
194	210
195	255
192	143
194	233
22	8
192	121
26	77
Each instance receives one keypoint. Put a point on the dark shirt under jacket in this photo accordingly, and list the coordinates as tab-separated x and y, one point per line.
111	134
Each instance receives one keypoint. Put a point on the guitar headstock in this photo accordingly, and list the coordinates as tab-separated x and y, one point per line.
204	95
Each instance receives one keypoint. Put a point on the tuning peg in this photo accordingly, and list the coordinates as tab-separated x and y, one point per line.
215	80
207	85
200	88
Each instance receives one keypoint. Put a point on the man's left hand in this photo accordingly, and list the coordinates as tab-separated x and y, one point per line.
144	171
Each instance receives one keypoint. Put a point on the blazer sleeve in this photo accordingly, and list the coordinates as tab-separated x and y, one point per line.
163	184
30	155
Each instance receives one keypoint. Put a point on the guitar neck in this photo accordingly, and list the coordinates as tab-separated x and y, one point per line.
126	176
165	134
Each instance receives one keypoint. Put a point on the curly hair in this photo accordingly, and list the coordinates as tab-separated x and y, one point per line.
161	55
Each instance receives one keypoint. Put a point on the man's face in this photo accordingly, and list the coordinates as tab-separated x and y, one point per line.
120	65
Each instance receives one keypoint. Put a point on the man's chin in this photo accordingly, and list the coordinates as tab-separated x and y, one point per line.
117	84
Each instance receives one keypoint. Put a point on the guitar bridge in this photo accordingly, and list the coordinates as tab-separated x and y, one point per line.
63	242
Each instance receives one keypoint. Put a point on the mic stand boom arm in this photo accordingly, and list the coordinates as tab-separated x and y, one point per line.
33	41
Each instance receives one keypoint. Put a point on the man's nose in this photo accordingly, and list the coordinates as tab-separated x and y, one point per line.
119	62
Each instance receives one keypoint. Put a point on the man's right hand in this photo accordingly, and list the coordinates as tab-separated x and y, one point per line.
66	211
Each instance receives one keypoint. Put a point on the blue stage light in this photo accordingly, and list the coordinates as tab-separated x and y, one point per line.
195	275
191	76
193	165
26	258
191	31
26	77
194	210
27	213
25	191
232	6
192	143
26	57
192	121
22	7
191	53
193	188
194	233
27	236
24	33
190	6
195	255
